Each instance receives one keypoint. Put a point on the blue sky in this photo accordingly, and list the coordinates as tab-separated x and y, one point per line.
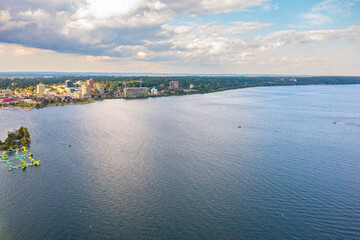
283	14
314	37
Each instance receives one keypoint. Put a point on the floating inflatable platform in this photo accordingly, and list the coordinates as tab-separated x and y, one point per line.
13	157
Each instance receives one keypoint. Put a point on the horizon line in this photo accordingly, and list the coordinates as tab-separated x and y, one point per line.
87	73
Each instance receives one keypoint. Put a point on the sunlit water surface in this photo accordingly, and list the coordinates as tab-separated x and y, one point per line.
179	167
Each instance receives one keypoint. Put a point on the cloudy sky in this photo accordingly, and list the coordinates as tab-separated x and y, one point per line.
182	36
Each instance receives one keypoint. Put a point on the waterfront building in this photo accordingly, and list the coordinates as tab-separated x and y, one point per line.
154	91
70	90
25	93
133	92
30	101
6	93
69	84
173	85
90	82
5	101
78	84
77	93
85	89
191	86
40	88
100	88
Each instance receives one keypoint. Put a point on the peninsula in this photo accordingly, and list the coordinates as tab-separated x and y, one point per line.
16	139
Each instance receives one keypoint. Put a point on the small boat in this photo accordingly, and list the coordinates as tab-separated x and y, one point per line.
69	145
239	126
333	122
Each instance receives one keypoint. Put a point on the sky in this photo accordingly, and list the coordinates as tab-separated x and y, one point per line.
296	37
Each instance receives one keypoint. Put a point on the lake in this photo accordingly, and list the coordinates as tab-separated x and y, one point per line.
181	168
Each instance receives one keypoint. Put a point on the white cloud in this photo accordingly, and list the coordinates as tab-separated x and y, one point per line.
141	55
18	50
316	18
6	22
215	29
188	43
139	13
332	6
216	6
97	58
292	37
327	11
37	15
98	27
102	9
142	32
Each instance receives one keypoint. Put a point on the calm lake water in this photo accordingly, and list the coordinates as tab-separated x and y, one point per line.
180	168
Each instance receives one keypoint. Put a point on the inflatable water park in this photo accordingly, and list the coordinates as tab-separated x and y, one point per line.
18	158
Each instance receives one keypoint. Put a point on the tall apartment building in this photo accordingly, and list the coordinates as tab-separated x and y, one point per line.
154	91
85	89
40	88
173	85
90	82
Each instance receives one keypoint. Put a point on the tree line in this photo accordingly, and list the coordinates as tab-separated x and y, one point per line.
202	83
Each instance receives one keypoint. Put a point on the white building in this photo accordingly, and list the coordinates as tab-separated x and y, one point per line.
154	91
40	88
77	93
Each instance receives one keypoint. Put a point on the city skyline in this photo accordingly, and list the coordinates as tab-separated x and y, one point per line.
198	37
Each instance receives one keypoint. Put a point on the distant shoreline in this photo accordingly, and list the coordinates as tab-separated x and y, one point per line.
173	95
